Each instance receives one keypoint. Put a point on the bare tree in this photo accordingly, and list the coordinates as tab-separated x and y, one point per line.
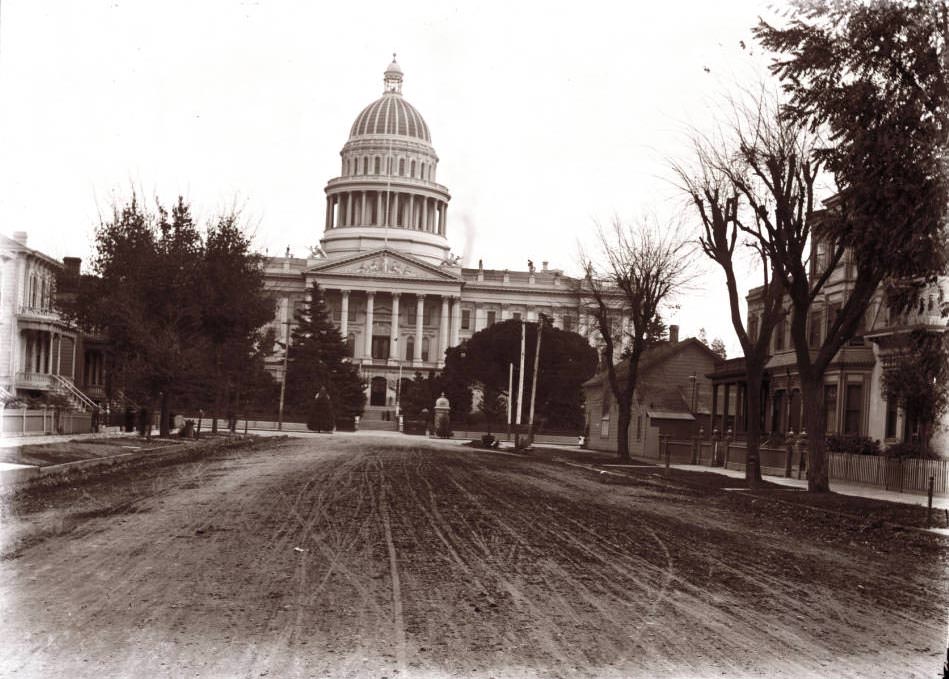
732	201
632	279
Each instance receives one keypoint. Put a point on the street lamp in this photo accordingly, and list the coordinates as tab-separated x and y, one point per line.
283	380
398	384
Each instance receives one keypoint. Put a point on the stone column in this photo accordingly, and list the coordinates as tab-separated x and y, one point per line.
349	209
419	318
455	320
367	345
344	314
329	212
394	332
443	334
410	212
395	209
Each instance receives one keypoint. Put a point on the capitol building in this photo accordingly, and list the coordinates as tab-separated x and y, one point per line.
398	295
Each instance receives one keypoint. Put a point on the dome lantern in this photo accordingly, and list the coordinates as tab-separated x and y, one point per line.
393	78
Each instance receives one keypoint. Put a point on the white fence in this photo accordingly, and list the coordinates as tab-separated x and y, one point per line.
20	421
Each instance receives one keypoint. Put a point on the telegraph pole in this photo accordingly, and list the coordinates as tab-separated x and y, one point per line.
520	388
530	421
510	396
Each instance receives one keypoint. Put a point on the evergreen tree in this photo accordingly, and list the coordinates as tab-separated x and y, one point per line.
318	359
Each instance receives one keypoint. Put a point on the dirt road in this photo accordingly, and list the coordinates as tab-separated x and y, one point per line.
360	557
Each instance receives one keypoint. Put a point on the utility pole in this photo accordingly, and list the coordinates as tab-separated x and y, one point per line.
530	421
510	396
520	387
283	381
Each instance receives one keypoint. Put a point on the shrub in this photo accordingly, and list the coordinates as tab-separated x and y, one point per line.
910	449
850	443
487	440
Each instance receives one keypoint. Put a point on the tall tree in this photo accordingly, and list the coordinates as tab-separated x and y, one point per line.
752	186
638	271
235	306
566	361
873	77
318	359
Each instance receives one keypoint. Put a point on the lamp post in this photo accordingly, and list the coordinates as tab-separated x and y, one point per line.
398	384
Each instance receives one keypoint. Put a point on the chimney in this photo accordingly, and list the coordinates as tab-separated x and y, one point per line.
674	334
544	265
20	237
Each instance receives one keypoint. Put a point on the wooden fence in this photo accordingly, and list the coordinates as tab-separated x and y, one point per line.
896	474
21	421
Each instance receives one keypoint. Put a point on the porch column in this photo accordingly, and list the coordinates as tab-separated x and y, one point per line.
455	320
443	334
728	388
394	332
59	355
714	408
344	314
419	317
367	345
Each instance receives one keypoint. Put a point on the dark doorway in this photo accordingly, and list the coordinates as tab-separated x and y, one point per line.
377	391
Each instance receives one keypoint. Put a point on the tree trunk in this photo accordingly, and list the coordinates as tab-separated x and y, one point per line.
163	418
753	430
216	404
622	433
812	400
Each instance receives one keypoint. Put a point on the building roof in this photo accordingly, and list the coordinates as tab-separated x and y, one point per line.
653	357
391	115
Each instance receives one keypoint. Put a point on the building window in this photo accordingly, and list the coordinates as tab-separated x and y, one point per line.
401	167
568	322
365	165
830	408
854	407
516	315
378	165
380	346
410	312
409	347
465	319
492	317
413	169
425	345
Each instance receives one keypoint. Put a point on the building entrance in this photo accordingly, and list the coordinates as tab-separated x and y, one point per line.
377	391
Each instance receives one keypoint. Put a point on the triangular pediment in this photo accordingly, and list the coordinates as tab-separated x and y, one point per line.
383	264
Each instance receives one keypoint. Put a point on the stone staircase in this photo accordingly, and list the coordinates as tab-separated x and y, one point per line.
378	418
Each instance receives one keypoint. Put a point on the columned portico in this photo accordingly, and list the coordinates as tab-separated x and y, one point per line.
344	314
419	319
443	330
455	320
394	328
367	344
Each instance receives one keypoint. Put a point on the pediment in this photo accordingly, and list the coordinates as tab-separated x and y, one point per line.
383	264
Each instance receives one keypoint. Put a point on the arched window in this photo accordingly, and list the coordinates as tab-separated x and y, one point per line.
378	165
413	169
409	347
365	165
422	171
401	167
424	348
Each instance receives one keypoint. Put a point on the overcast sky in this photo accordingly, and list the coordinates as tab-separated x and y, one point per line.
546	116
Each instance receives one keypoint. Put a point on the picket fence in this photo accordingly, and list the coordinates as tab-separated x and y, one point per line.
896	474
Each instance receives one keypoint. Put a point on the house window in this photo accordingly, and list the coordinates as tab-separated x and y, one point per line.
779	335
814	334
853	409
891	414
465	319
492	317
830	408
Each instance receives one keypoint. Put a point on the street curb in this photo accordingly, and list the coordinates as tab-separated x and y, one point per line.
18	479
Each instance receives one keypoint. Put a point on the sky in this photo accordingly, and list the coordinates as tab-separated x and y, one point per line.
548	118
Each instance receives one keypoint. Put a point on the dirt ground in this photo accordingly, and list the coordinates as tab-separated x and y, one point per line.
346	556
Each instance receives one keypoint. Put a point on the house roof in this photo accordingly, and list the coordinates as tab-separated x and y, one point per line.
653	357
